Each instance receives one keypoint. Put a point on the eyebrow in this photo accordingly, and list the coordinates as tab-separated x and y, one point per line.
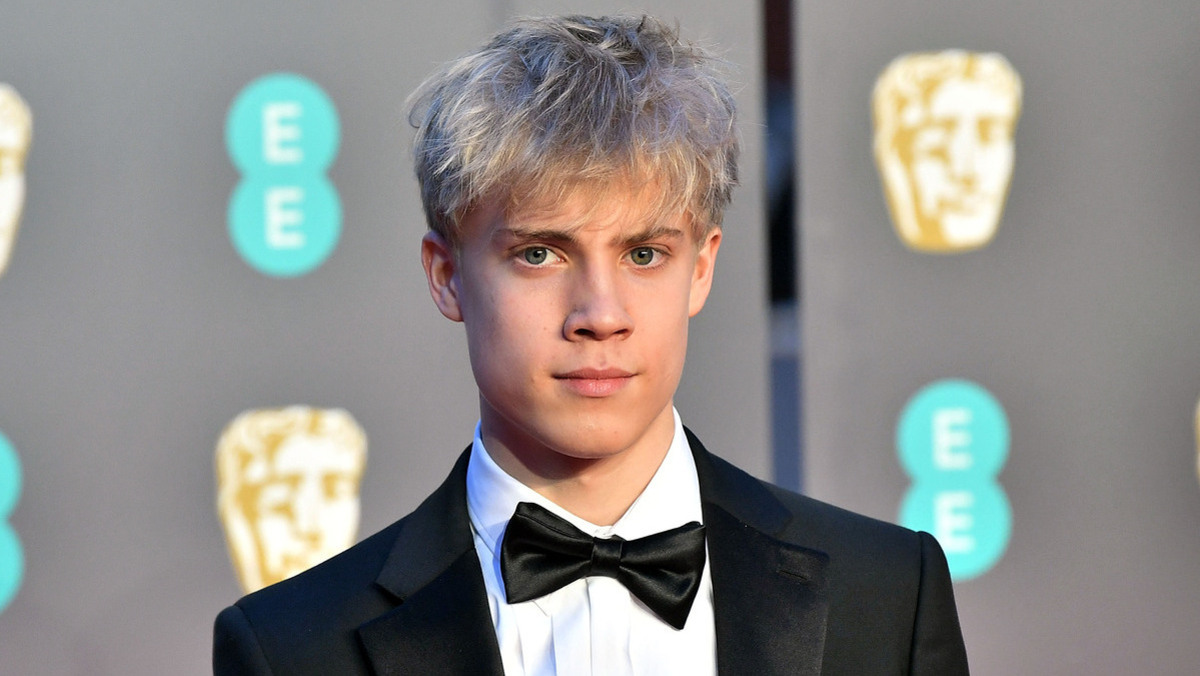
540	234
567	236
660	231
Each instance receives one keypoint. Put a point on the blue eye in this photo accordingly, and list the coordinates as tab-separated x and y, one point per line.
536	255
643	255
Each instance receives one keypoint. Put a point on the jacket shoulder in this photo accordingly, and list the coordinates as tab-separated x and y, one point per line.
792	517
309	623
309	620
330	582
890	597
836	529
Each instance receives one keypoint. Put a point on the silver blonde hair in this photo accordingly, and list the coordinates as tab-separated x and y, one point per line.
552	105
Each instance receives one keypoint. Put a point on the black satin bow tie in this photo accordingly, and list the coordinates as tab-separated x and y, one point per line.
543	553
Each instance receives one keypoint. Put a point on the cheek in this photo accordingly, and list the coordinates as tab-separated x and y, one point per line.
512	312
507	348
662	321
493	334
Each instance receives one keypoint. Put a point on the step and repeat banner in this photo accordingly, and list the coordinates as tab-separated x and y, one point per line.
219	362
1000	217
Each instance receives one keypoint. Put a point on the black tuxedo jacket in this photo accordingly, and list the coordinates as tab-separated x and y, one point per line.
799	587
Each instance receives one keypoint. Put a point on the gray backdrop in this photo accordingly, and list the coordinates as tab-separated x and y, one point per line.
131	332
1082	317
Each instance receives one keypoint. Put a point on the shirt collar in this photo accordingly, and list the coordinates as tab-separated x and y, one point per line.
672	498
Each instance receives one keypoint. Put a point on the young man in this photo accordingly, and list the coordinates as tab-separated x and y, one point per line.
574	172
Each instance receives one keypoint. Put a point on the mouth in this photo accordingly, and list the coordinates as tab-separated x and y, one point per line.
590	382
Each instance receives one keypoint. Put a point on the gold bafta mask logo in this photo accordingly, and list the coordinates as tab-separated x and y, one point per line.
287	489
944	125
16	133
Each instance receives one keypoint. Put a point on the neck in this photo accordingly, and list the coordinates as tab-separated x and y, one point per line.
598	487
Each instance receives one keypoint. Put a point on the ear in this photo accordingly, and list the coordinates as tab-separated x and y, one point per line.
441	270
702	274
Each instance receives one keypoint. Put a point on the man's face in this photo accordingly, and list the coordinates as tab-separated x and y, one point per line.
962	158
308	508
576	321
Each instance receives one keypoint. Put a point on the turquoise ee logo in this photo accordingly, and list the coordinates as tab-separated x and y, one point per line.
953	440
282	134
12	560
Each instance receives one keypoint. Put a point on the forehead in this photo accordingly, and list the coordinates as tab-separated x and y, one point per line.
591	209
615	209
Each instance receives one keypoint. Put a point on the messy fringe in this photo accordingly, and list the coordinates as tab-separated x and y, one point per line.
552	105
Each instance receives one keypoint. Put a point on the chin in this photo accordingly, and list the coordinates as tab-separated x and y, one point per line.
599	436
588	447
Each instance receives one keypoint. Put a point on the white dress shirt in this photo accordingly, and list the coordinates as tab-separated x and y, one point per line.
592	626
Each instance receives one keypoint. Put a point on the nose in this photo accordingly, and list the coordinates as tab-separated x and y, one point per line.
598	310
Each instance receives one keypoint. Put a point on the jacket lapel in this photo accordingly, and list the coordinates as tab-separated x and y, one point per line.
769	596
442	624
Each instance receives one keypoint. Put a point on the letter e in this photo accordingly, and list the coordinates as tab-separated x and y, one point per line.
950	438
280	132
284	216
952	521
